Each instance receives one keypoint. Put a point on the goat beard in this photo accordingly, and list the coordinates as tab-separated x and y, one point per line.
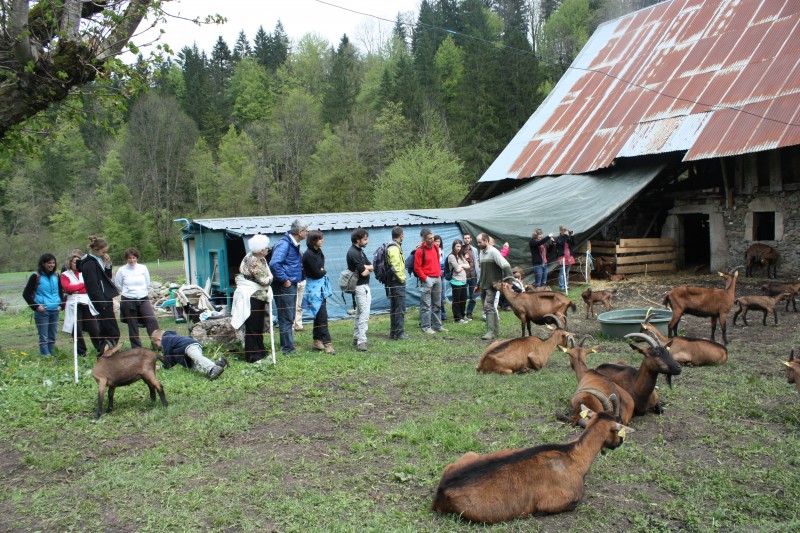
669	380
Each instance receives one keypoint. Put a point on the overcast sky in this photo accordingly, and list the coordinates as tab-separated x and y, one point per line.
297	16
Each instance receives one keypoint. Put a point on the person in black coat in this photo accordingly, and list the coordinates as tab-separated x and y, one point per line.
565	244
96	270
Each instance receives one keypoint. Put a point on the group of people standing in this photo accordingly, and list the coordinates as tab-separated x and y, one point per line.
544	247
85	290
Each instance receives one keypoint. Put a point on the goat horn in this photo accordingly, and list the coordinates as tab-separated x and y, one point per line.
584	340
734	269
559	323
647	338
791	355
570	343
648	316
615	405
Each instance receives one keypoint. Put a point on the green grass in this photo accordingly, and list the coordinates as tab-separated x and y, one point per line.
357	442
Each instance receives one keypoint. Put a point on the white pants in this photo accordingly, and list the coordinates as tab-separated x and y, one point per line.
298	308
201	363
363	303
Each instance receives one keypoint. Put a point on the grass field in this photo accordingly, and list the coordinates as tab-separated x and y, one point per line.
357	442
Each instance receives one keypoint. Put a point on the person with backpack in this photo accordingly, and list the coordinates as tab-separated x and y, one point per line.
357	262
456	273
43	293
429	271
396	285
442	261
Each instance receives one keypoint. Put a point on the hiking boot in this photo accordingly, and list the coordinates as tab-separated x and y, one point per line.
361	347
299	328
355	341
469	316
329	348
215	372
401	337
317	346
440	330
429	331
222	362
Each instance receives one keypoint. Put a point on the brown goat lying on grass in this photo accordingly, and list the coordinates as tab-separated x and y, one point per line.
117	369
641	383
793	370
766	304
523	353
577	356
511	484
689	351
535	307
774	289
591	298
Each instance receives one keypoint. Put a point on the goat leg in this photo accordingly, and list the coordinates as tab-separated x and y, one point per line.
736	315
110	398
101	392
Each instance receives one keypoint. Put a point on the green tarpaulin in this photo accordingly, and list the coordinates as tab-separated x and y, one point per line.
583	203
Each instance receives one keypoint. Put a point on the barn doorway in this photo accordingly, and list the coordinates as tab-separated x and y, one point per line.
696	242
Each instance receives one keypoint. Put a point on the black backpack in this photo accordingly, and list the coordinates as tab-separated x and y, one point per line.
380	264
448	270
410	261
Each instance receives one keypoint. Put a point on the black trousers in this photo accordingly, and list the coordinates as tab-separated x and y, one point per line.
321	332
254	332
134	312
397	309
87	323
108	329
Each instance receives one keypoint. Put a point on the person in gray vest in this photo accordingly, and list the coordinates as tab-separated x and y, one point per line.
494	268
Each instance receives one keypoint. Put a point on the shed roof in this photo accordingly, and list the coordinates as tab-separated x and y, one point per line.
270	225
707	77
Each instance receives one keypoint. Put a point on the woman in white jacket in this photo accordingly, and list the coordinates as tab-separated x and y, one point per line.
132	281
252	297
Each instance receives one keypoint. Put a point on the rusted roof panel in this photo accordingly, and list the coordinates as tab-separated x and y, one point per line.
712	78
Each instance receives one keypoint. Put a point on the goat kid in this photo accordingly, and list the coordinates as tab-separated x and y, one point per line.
793	370
535	307
523	354
591	298
617	277
117	369
761	254
641	383
702	302
766	304
511	484
774	289
689	351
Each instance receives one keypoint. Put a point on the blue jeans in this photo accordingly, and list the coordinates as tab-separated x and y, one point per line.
471	299
285	300
540	275
47	326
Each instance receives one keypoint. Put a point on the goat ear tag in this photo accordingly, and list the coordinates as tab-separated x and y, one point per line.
786	363
622	432
585	413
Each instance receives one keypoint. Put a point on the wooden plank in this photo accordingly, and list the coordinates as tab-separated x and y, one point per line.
639	269
604	243
632	243
603	250
644	249
646	258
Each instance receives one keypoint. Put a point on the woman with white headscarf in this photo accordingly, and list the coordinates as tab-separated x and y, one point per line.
252	297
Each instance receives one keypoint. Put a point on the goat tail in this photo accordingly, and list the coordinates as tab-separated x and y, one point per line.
666	301
573	307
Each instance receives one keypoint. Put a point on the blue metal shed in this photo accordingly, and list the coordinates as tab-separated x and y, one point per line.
213	248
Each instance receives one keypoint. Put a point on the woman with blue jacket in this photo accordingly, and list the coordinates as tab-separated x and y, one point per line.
43	294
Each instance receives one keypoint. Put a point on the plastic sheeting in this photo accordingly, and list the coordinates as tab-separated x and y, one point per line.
583	203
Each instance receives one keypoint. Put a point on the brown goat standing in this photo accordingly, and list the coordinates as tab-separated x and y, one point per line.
117	369
766	304
523	353
511	484
688	351
535	307
591	298
702	302
793	370
774	289
761	254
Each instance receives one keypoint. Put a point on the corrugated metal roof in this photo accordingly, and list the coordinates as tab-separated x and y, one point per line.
270	225
712	78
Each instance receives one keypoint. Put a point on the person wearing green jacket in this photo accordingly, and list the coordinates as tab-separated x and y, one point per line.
396	287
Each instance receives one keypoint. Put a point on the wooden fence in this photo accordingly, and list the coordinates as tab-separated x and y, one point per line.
637	256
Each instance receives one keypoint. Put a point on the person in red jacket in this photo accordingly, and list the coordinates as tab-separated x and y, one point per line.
79	309
429	271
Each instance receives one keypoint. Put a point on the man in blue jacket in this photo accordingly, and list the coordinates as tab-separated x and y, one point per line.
287	271
186	351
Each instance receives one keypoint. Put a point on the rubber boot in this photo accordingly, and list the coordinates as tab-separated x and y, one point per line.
491	327
496	325
329	348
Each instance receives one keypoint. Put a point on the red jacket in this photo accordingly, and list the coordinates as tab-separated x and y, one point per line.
430	267
69	287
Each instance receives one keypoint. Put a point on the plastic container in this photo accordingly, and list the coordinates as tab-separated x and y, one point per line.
620	322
